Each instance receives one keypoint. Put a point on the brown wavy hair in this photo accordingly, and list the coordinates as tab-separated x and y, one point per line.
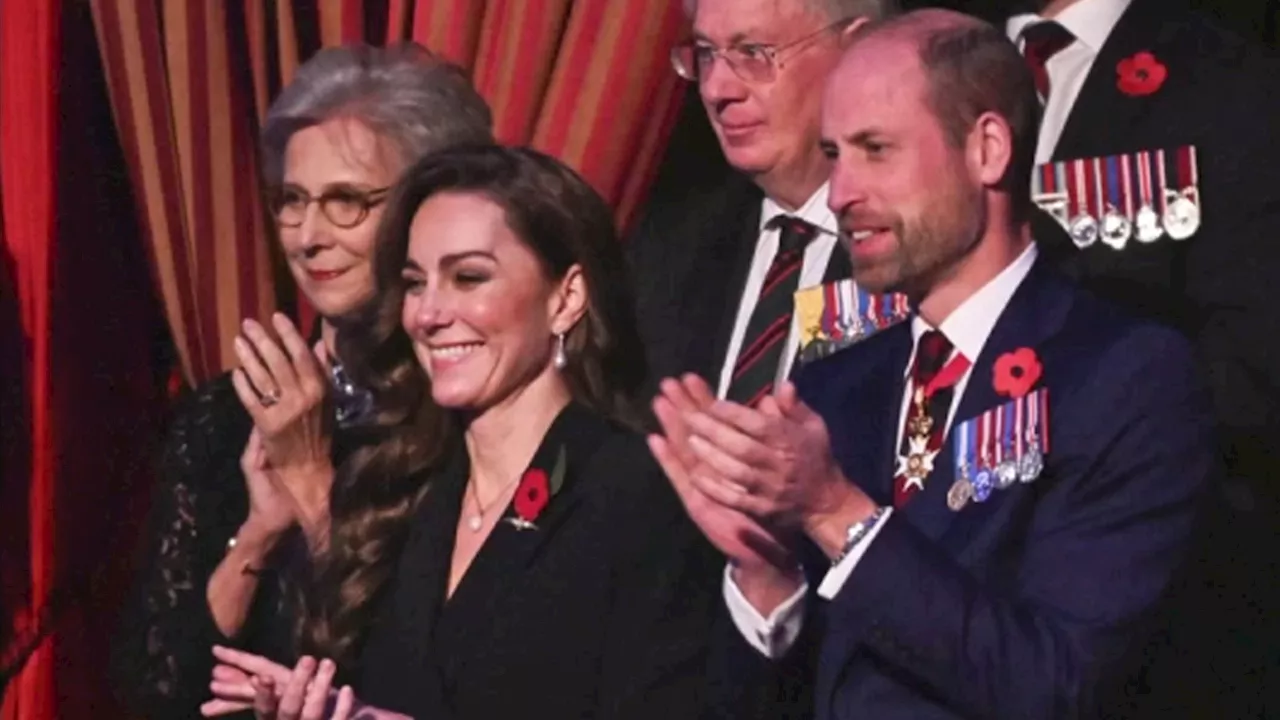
564	222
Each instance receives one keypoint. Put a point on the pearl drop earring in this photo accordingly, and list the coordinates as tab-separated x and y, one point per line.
560	359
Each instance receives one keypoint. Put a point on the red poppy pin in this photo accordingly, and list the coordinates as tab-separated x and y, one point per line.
1016	372
1140	75
534	492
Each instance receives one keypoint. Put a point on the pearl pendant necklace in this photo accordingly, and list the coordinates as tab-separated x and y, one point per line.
475	523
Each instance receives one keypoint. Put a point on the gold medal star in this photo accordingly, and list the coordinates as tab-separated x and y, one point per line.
917	463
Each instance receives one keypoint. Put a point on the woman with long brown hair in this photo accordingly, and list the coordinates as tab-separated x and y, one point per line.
247	467
547	568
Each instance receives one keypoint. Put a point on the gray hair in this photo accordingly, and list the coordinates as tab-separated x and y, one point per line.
835	10
404	94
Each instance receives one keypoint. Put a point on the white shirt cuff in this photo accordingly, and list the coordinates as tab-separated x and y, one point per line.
772	636
835	578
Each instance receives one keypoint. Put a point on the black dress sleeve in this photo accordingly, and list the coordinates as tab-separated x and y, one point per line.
161	660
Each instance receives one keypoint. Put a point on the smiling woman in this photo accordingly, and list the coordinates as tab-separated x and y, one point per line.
249	463
547	569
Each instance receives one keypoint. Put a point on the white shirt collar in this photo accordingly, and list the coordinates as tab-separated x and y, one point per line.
814	211
969	326
1090	21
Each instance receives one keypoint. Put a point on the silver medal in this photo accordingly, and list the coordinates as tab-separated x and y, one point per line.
1182	217
1116	229
1030	465
1147	225
1006	474
1083	231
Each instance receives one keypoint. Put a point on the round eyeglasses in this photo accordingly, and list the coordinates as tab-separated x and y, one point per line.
752	62
345	207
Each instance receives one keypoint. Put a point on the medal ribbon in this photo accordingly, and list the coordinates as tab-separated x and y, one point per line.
1144	179
1115	193
1020	427
830	310
1077	195
1042	418
1093	184
1188	173
1161	178
948	376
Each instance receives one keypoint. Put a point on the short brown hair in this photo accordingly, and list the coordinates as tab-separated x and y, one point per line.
971	68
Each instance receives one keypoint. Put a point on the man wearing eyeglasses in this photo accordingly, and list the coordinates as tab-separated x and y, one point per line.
716	273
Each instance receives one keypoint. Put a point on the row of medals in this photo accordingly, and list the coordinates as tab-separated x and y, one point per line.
978	486
1180	221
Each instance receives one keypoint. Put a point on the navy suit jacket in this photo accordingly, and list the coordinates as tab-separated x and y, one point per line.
1025	605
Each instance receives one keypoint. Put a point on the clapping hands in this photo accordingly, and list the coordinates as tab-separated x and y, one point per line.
243	681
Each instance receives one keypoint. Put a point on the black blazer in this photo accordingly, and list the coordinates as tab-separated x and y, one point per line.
603	611
689	262
1218	287
1220	95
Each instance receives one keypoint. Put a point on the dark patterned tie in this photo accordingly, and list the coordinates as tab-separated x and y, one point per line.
931	354
757	364
1039	43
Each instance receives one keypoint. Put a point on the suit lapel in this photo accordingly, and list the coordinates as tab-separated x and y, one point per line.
736	243
423	571
1102	118
838	267
1034	313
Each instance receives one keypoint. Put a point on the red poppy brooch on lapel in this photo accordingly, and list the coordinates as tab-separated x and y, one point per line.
534	492
1016	372
1140	75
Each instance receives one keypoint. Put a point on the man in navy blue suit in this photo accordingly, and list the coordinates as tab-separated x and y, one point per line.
1001	489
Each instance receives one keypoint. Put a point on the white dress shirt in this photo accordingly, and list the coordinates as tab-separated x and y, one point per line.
968	328
814	267
1090	21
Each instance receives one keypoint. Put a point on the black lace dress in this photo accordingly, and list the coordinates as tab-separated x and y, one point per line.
161	660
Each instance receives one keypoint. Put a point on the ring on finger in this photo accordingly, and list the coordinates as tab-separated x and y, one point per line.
269	398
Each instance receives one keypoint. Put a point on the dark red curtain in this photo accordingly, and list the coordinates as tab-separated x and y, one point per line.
78	323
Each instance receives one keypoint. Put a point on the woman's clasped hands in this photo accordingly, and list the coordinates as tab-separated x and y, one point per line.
244	681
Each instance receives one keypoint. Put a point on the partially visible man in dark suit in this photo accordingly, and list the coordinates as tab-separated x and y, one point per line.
1131	85
716	272
1003	489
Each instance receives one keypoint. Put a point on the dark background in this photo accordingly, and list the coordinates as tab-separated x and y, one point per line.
693	158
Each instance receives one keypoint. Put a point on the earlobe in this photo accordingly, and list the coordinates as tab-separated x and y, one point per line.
994	148
571	302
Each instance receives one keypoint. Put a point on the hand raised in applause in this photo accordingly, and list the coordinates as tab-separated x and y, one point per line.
773	462
740	537
283	387
272	509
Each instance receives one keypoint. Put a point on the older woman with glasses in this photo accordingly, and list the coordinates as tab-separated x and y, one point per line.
546	568
248	467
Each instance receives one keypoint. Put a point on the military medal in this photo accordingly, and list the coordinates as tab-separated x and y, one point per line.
1182	212
1048	191
1036	433
917	463
961	491
1147	219
959	494
1082	227
1006	471
1116	227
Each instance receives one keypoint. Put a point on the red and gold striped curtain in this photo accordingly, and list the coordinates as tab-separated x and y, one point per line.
584	80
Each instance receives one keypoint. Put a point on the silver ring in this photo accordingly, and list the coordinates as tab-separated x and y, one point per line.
270	398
